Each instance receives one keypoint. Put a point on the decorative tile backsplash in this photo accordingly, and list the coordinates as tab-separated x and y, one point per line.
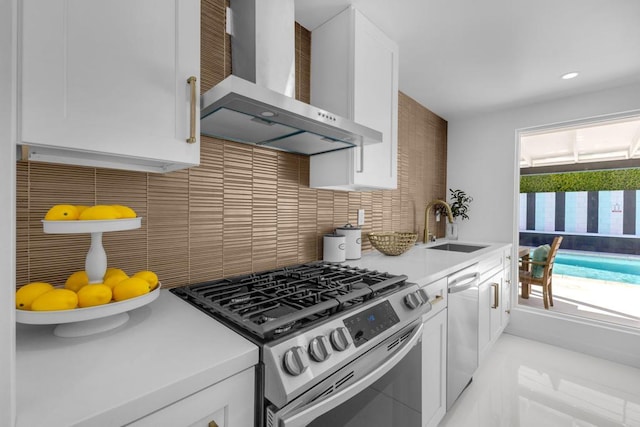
243	209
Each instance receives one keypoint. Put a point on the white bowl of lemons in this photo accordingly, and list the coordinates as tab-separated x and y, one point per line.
82	308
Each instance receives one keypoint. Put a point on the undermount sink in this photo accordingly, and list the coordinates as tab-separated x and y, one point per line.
455	247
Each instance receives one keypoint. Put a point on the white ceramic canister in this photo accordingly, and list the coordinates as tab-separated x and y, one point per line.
353	237
334	248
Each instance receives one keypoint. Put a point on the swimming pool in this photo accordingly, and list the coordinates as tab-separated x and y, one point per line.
601	267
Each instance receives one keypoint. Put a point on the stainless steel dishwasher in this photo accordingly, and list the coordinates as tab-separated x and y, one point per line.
462	338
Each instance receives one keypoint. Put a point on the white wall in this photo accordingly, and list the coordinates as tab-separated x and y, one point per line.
482	161
7	214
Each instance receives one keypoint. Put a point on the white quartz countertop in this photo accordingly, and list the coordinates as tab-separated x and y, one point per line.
423	265
166	351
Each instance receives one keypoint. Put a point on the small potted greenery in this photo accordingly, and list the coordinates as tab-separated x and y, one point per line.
459	205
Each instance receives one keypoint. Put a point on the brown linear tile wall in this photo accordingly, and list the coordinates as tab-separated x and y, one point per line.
243	209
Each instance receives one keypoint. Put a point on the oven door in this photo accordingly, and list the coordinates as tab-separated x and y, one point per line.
380	388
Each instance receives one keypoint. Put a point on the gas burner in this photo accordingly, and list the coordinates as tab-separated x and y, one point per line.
275	313
284	329
239	300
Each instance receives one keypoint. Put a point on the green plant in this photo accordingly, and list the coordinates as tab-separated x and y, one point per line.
614	179
459	204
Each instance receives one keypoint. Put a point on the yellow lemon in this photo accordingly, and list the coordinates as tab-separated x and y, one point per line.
81	208
149	276
62	213
28	293
99	212
114	278
76	281
57	299
130	288
125	211
94	294
112	270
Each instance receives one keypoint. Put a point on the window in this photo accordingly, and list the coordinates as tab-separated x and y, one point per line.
583	182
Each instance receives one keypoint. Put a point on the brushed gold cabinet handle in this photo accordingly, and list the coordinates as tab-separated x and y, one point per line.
192	123
495	295
213	424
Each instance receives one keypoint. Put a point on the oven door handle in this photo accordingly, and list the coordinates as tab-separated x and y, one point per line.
305	414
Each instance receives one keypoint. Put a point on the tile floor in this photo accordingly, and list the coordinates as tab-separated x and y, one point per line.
526	383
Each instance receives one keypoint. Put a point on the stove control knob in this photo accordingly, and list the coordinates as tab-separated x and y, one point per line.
320	349
423	295
340	338
295	361
412	300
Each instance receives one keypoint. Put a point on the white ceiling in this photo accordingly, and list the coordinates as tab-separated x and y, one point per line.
462	57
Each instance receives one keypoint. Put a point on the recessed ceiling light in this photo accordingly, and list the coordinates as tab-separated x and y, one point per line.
569	75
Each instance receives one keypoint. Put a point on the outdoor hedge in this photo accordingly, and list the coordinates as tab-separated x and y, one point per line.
605	180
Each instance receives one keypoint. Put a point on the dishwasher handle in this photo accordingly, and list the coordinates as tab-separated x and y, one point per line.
463	283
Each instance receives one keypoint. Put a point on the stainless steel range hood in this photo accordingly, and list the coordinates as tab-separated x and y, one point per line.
255	105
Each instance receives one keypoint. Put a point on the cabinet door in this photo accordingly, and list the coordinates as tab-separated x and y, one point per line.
484	318
355	69
496	306
107	81
434	369
229	403
375	101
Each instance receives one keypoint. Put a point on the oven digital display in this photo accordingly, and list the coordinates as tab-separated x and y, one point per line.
371	322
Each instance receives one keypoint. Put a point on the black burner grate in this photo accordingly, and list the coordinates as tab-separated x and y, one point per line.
271	303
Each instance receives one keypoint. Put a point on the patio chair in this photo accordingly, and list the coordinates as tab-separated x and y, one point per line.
539	272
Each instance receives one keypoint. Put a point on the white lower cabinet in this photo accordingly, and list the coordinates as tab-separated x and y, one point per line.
496	305
434	355
494	299
490	313
434	370
484	320
229	403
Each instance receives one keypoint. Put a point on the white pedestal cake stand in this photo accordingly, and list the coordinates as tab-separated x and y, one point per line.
90	320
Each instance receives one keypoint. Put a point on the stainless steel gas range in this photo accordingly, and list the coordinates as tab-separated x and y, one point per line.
327	334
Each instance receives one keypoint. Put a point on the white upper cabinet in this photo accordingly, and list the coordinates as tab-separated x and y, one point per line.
354	73
105	83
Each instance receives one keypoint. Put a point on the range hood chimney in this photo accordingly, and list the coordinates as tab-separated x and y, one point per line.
256	104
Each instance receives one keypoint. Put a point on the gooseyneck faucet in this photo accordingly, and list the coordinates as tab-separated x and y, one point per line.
426	216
